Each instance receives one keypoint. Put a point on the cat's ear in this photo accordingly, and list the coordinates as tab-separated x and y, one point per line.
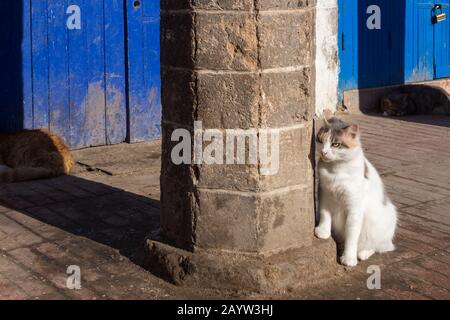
327	115
354	131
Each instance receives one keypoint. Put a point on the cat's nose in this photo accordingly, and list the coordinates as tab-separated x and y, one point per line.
324	152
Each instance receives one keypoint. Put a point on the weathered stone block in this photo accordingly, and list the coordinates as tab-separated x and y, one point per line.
286	98
254	222
228	101
177	40
286	39
287	270
235	177
238	5
177	212
182	172
286	212
207	4
284	4
175	4
178	94
224	4
227	221
295	166
226	41
296	163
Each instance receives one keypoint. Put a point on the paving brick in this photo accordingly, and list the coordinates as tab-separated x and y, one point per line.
29	282
53	218
52	270
424	238
15	235
64	184
46	231
434	265
443	255
425	274
406	294
10	291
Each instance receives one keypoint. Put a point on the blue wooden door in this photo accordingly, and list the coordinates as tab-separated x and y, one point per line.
409	46
442	43
144	69
370	55
83	65
66	60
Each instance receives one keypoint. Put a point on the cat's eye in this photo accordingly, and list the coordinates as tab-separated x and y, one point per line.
336	145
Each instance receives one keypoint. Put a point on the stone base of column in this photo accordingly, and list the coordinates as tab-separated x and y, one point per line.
288	270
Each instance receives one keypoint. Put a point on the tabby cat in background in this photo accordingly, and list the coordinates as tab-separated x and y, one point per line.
33	154
416	100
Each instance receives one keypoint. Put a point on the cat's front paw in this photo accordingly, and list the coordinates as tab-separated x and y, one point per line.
349	261
322	233
365	254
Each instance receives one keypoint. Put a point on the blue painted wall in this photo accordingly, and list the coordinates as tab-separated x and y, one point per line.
94	85
409	47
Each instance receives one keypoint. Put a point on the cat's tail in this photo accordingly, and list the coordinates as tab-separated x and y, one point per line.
28	173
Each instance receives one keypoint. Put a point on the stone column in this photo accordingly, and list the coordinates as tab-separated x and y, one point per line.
239	64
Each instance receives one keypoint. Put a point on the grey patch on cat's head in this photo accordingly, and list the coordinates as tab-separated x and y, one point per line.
337	124
333	128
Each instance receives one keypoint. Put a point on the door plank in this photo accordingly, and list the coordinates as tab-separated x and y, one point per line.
116	117
40	63
144	71
95	122
58	69
419	41
77	80
442	44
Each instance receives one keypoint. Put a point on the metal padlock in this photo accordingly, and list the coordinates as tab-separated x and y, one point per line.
440	15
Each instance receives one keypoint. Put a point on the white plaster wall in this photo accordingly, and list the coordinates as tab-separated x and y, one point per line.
327	65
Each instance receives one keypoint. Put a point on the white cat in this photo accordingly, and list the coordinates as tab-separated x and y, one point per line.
353	204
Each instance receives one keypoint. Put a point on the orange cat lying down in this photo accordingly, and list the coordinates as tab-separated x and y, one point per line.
33	154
